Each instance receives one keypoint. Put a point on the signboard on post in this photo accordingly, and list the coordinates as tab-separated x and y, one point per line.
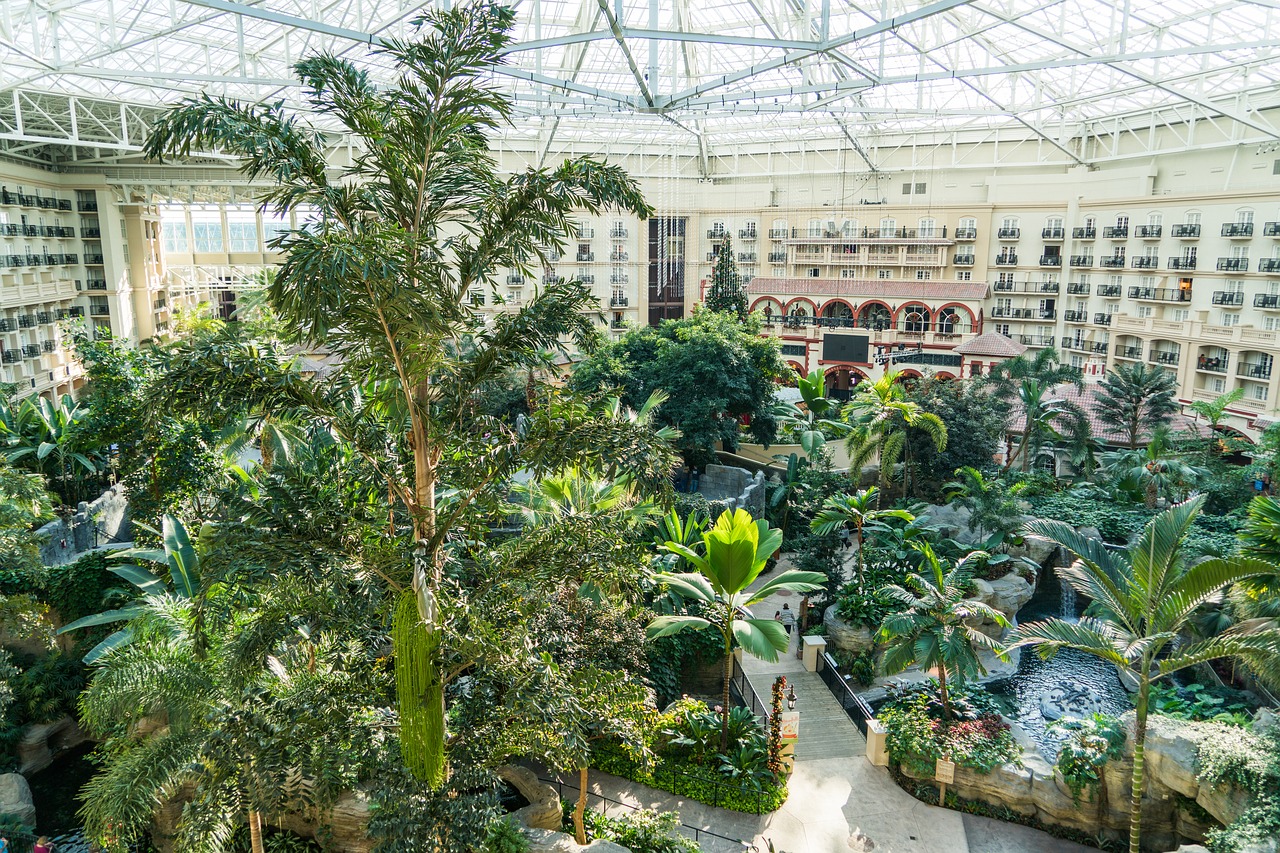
790	725
944	771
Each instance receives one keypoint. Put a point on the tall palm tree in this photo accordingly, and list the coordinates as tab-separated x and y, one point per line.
735	551
880	415
1157	470
1027	384
1141	600
1134	398
932	631
396	240
1213	411
854	511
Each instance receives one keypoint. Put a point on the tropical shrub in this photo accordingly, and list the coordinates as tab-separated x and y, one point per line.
916	739
1202	703
1090	744
643	831
505	837
1250	761
49	688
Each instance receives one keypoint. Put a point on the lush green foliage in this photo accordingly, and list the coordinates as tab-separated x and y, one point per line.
1135	398
1090	744
505	837
714	370
967	413
1026	384
643	831
917	739
1208	535
1201	703
1250	761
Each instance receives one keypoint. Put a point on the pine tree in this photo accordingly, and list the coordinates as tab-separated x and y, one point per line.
726	292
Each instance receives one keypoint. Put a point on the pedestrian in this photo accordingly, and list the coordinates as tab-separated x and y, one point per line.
787	618
777	616
1258	484
4	844
43	845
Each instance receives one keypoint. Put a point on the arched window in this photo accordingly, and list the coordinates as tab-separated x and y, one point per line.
874	316
950	322
915	319
888	227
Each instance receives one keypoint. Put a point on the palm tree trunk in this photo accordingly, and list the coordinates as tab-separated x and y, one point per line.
944	695
580	810
862	574
255	832
728	672
1139	777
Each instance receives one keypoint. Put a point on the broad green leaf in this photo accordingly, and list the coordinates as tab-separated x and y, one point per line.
114	641
665	626
762	638
141	578
107	617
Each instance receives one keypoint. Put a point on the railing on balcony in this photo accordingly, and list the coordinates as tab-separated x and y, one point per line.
618	256
1006	260
1078	288
96	284
1148	232
587	279
1072	343
1075	316
1036	340
963	260
1102	319
1228	297
747	234
87	206
1115	232
1148	262
1114	262
1271	229
1233	264
717	234
46	346
1182	263
515	278
1002	313
1084	233
619	302
966	233
95	260
1053	233
618	279
747	257
777	233
1009	233
1082	260
26	321
1160	356
1098	347
1213	364
1237	229
77	311
1109	290
777	257
1160	294
1129	352
1266	300
1186	231
586	257
1051	260
1254	369
1269	265
30	350
44	318
617	232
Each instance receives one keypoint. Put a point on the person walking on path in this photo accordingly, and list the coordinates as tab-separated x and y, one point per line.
788	620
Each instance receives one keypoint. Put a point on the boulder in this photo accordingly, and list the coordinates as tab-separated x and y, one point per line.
1171	757
1037	550
43	741
846	636
1009	593
1089	532
543	811
546	841
15	799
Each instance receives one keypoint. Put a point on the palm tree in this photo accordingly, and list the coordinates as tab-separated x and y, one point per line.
1134	398
1142	598
880	416
855	511
1213	411
736	551
1027	381
1156	469
810	420
932	632
397	239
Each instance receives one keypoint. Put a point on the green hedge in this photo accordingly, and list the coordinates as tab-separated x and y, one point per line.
704	784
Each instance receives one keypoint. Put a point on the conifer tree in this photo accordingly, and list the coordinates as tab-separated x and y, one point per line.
726	292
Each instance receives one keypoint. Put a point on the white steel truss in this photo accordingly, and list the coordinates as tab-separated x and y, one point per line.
1085	80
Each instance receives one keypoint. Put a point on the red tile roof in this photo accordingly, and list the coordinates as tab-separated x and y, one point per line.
992	343
1089	402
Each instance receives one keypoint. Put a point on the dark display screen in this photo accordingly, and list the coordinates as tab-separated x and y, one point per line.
844	347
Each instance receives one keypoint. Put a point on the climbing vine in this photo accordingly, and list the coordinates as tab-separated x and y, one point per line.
775	726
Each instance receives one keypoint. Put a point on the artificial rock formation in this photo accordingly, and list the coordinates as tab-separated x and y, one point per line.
15	799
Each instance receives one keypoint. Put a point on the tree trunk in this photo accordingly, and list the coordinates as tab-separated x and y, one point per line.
255	832
944	695
728	672
1139	777
580	810
264	446
862	566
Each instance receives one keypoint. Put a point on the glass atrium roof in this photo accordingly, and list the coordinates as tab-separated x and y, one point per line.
81	76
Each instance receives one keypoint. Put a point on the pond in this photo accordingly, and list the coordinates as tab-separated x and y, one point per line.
55	791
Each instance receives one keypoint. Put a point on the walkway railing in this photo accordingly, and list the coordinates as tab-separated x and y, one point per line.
853	704
709	841
741	691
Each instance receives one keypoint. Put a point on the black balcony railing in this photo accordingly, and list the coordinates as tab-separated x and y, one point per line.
1237	229
1254	369
619	302
617	233
87	206
777	257
618	256
1084	233
1129	352
1213	364
1076	316
1160	294
1001	312
587	279
1269	265
46	346
966	233
963	260
44	318
1182	263
747	234
1266	300
1110	291
1148	262
1051	260
30	350
1102	319
1115	232
96	284
26	321
1053	233
1160	356
1009	233
1006	260
1077	288
586	257
1113	262
1082	260
618	279
717	234
91	232
77	311
1186	231
777	233
1233	264
1036	340
96	260
1148	232
515	278
747	257
99	310
1228	297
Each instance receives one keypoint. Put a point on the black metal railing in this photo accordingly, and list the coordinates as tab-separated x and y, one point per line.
1051	260
1102	319
1254	370
1113	262
1185	231
1115	232
1082	260
1052	233
741	691
1006	260
1084	233
1009	233
1182	263
1078	288
1233	264
1228	297
1111	290
1269	265
1266	300
853	704
966	233
1148	231
1237	229
1145	262
963	260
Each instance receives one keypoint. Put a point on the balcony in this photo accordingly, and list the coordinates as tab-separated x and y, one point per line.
1006	260
1114	262
618	257
1182	263
1098	347
1237	230
1269	265
1053	234
1115	232
619	302
587	279
747	234
87	206
91	233
1186	232
1134	353
515	278
70	259
1160	294
10	356
1075	316
1148	262
99	310
966	233
1109	291
1009	233
586	257
777	257
64	204
1160	356
77	311
30	350
1233	264
1148	232
1216	364
26	321
620	278
95	260
46	346
1001	312
716	234
552	278
1051	260
62	314
1072	343
1077	288
617	232
1266	300
1084	233
44	318
1102	319
1228	298
777	233
1036	340
1254	369
1082	260
963	260
747	257
96	284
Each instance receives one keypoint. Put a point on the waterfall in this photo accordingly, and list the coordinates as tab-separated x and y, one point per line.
1066	592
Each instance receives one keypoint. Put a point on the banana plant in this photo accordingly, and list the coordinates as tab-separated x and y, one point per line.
809	421
182	560
735	551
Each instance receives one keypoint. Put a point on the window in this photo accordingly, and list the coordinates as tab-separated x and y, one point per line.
1145	311
968	222
1180	315
884	273
1122	221
1004	303
1240	252
1155	219
1193	218
848	273
779	272
1217	386
1257	391
815	227
1003	329
1077	361
175	237
928	227
1009	222
1091	223
923	275
849	228
1004	278
814	272
1053	223
1230	319
888	227
675	248
243	235
1244	217
964	275
1271	324
208	235
920	189
906	188
271	229
1233	286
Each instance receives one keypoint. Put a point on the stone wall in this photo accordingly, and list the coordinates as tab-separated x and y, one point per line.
738	488
105	520
1036	791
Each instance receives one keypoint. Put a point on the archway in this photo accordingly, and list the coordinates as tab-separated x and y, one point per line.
875	315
